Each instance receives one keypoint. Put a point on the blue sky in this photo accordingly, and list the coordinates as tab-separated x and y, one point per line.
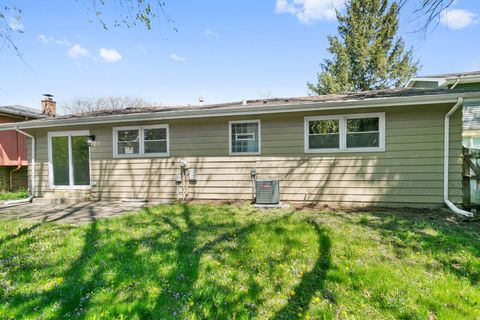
223	50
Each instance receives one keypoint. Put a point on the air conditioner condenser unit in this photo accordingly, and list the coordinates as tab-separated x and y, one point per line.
267	191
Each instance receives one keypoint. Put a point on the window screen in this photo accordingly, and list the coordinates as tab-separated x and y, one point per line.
324	134
363	133
128	141
155	140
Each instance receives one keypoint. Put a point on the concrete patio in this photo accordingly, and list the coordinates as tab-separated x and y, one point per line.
69	213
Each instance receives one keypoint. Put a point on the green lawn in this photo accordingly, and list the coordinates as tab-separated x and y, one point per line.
15	195
227	262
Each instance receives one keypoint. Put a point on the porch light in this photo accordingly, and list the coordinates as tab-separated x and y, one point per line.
90	140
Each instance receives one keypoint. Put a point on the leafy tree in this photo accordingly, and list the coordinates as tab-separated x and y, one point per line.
367	54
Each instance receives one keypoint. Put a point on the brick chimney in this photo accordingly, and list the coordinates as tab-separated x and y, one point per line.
49	106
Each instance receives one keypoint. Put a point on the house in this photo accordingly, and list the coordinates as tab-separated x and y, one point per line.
383	148
13	148
471	113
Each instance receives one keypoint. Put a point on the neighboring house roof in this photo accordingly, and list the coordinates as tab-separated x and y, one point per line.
368	99
18	111
444	80
471	113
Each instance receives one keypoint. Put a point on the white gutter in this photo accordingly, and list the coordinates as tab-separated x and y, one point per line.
446	147
32	192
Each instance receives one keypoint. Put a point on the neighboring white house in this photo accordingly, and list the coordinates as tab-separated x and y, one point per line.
471	113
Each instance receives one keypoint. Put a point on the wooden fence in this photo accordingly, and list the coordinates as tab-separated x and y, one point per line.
471	178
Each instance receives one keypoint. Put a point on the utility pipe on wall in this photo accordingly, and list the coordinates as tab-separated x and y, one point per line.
446	152
32	192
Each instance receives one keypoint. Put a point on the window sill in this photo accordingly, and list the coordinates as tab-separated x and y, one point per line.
132	156
245	153
352	150
70	187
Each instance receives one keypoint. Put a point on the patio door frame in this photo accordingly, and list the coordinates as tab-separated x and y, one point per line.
68	134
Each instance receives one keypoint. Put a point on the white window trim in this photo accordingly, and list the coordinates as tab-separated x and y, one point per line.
141	140
230	138
69	134
343	133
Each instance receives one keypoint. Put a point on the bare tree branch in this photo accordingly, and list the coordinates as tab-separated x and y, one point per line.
145	12
10	25
429	11
87	105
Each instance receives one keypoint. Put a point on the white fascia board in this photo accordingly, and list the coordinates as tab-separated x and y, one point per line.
244	111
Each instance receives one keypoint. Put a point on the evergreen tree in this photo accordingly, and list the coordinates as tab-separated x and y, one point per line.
366	53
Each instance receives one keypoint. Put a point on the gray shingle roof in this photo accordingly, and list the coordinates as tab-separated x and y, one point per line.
21	111
388	93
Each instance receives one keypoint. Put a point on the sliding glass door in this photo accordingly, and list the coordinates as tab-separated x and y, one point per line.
69	155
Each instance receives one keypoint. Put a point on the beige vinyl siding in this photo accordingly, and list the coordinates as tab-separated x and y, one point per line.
408	173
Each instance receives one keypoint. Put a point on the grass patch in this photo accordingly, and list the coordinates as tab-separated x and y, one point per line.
16	195
225	262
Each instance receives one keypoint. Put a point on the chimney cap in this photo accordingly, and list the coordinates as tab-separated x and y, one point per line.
48	95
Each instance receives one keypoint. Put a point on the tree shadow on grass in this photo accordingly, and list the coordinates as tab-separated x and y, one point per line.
112	268
71	293
22	232
184	297
312	281
431	232
67	295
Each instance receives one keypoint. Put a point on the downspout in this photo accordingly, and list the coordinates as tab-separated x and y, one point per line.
446	147
32	192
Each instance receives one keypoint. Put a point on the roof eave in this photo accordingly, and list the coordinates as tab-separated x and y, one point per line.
248	110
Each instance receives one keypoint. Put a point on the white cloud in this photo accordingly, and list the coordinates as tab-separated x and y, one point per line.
15	24
49	39
177	58
457	18
63	43
44	38
77	51
110	55
211	33
308	11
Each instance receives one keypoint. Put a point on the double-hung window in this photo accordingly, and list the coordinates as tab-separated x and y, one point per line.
245	137
141	141
345	133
